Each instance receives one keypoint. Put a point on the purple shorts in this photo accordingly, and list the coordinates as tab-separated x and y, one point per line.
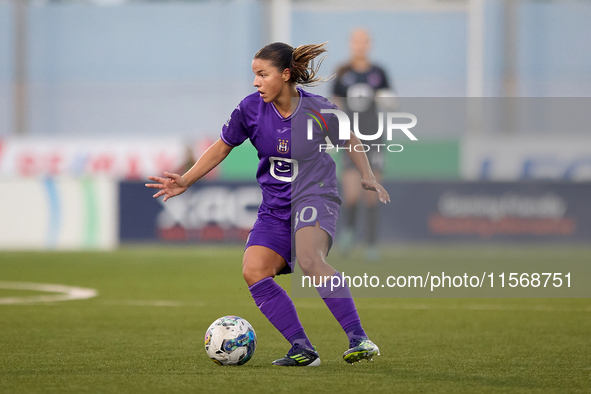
278	234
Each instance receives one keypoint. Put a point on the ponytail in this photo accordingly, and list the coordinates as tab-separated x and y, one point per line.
301	71
298	61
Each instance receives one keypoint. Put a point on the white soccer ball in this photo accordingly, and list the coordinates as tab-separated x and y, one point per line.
230	340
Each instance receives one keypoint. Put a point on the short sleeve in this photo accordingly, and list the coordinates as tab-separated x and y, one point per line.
338	87
234	131
385	82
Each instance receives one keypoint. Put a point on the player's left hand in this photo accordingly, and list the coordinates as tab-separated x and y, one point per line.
375	186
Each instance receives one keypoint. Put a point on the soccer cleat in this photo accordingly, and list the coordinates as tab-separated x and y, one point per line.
299	357
364	349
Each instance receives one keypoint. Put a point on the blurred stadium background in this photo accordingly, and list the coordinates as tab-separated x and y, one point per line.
118	90
97	94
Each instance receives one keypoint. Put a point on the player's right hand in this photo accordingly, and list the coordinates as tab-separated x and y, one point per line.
171	186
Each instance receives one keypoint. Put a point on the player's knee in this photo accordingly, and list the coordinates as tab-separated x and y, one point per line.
249	274
310	263
253	273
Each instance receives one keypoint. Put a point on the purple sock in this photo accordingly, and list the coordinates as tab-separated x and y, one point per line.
276	305
340	302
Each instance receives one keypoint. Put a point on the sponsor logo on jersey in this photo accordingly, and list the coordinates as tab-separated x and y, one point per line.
283	169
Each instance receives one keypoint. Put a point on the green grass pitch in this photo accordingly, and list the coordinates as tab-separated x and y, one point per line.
144	331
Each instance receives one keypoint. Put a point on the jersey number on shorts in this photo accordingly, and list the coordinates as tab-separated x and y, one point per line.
306	215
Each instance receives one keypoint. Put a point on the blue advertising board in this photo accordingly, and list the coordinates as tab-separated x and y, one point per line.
207	212
487	211
419	211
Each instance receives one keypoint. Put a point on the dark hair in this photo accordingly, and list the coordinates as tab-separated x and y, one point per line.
284	56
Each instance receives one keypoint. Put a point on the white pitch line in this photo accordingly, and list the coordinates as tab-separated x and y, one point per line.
66	293
153	303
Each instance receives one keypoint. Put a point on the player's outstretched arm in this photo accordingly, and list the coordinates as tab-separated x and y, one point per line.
175	184
368	179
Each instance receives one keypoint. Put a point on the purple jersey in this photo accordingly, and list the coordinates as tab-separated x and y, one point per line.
290	166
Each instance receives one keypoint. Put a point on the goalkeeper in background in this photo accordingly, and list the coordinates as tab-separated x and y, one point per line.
357	84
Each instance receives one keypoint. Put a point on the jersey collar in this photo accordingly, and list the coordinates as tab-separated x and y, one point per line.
294	112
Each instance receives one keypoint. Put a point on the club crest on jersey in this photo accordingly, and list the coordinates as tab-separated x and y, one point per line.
282	145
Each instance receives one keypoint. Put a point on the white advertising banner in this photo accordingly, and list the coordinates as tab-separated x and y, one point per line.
60	213
121	159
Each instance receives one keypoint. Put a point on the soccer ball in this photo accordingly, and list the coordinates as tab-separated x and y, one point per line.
230	340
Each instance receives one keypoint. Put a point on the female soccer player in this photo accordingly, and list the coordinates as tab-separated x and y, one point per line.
359	82
300	199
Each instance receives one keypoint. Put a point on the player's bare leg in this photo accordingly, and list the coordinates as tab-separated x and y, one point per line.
350	179
259	266
311	250
372	222
260	262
